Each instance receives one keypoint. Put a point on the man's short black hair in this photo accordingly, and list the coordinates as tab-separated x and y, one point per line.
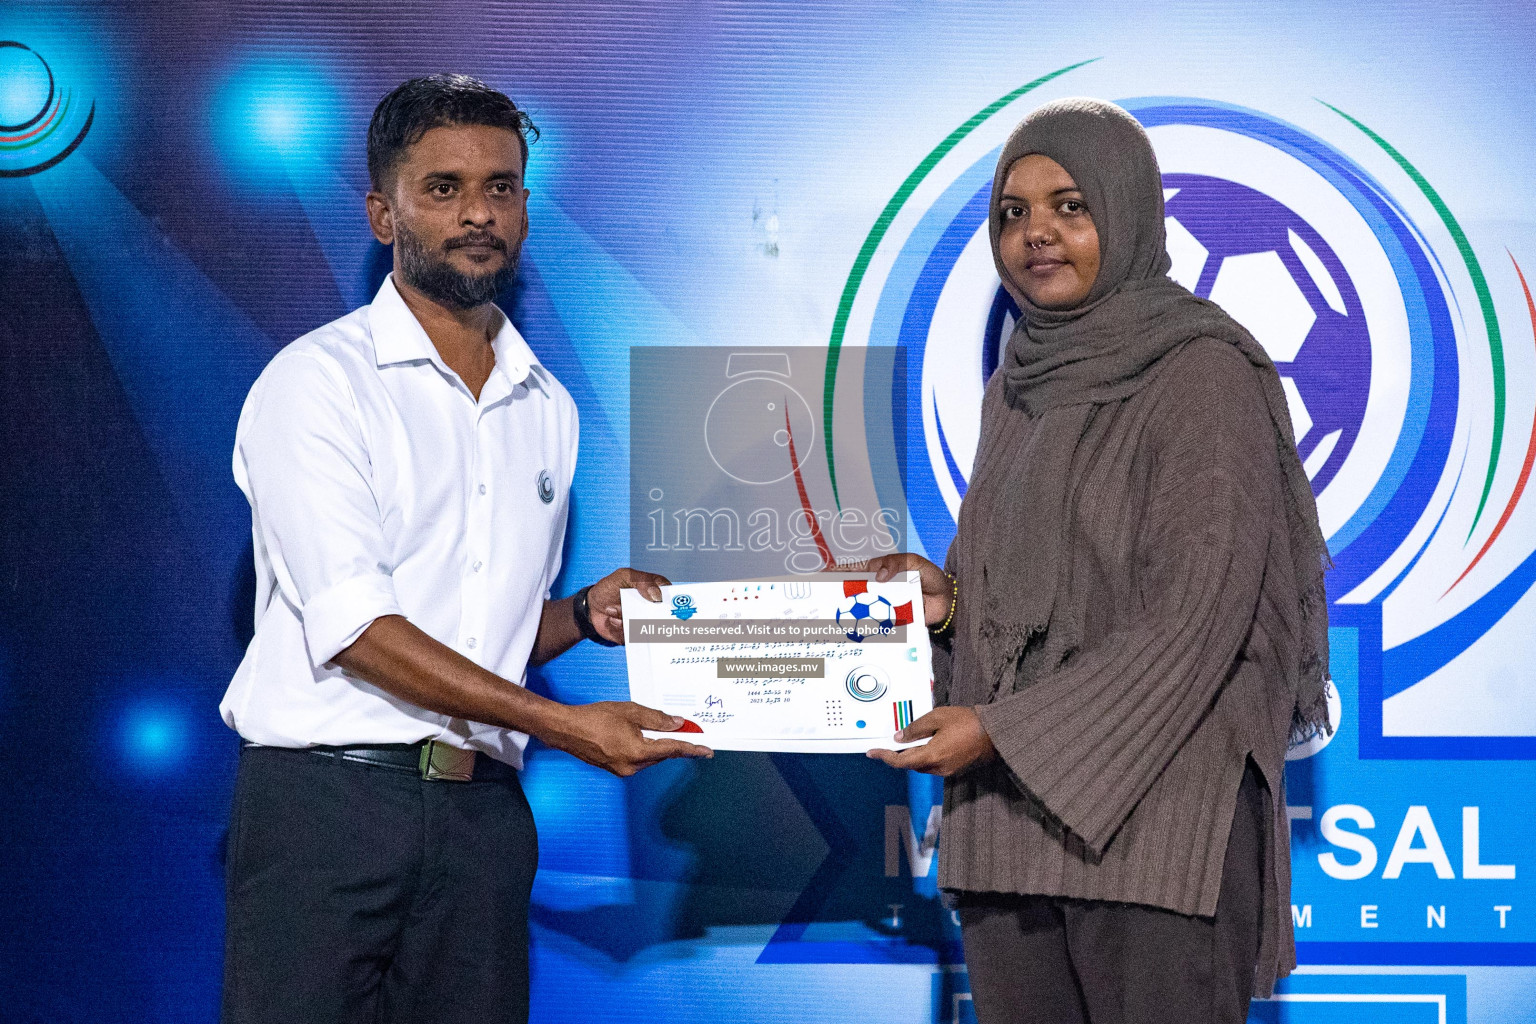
415	107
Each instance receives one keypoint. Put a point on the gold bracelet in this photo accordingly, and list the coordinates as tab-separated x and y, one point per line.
954	599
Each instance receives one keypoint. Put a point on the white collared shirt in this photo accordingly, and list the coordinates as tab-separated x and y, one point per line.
380	486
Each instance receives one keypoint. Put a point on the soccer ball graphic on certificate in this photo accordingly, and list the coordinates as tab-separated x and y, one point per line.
860	605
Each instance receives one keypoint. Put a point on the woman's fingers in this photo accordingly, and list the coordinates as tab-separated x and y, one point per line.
957	742
929	575
885	567
894	758
921	729
917	759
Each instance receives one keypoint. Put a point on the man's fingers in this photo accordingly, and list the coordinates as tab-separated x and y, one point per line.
650	718
611	626
660	750
649	584
605	592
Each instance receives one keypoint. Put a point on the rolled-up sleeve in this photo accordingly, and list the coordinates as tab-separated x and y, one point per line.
1090	739
302	461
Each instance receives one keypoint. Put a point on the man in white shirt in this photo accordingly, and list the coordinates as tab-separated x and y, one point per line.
409	469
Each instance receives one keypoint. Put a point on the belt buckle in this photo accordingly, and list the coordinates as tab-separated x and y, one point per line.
443	763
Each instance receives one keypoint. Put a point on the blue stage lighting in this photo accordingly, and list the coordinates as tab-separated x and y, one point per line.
23	85
272	116
153	735
547	157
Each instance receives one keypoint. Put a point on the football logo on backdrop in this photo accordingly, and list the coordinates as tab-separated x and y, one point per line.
1268	267
1326	267
42	120
1257	229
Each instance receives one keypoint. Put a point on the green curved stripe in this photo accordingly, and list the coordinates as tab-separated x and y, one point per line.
1484	299
877	234
57	122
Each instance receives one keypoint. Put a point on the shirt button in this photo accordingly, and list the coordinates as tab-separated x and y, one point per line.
478	565
470	643
482	488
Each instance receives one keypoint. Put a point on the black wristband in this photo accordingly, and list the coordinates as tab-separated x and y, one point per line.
582	612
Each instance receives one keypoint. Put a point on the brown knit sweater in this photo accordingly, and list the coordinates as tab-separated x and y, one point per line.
1118	773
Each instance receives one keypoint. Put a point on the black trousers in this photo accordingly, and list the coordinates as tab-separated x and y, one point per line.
359	894
1049	960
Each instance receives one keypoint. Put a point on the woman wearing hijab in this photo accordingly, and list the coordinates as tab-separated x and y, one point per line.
1134	623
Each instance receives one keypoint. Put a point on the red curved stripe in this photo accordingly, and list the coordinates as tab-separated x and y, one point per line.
805	499
1530	452
34	131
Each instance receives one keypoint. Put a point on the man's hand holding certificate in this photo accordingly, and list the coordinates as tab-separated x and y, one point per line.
815	664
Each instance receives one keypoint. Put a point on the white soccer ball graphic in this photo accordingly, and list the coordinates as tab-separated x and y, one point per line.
1274	274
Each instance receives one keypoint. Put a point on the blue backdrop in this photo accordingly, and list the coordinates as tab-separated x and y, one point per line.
181	194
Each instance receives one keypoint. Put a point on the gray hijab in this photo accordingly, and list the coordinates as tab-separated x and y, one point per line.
1059	368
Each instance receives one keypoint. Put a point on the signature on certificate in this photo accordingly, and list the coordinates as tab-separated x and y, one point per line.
714	702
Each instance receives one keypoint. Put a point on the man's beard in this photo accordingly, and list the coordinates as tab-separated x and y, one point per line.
429	272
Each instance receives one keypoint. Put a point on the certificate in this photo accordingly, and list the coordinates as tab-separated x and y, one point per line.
820	663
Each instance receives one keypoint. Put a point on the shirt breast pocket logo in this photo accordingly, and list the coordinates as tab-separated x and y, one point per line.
545	484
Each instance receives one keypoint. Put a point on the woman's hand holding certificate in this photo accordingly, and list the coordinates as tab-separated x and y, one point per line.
956	743
956	739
